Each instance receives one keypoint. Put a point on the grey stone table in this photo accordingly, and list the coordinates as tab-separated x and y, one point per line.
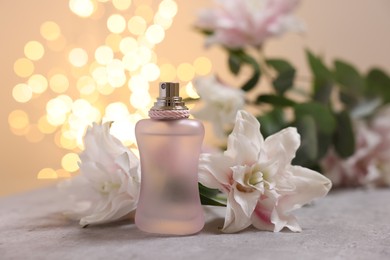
352	224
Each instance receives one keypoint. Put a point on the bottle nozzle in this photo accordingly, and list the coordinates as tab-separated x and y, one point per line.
169	98
168	90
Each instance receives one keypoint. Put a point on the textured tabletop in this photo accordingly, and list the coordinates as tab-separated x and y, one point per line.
353	224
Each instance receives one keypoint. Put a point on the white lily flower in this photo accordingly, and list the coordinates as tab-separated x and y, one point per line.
221	103
239	23
108	185
262	186
370	164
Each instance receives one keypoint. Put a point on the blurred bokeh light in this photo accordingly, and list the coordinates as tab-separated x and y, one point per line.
72	97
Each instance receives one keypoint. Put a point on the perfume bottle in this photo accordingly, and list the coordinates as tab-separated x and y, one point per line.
169	144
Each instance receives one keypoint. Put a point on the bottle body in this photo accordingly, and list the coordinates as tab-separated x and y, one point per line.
169	201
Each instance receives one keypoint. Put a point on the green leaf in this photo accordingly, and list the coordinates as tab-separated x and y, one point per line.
204	200
323	78
207	196
344	137
279	65
274	100
252	82
352	84
322	115
322	90
286	74
234	64
308	150
272	122
324	143
240	57
318	67
207	191
378	82
325	124
350	101
349	78
284	81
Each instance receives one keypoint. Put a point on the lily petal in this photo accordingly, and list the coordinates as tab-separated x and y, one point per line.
281	220
220	103
109	182
246	196
261	217
309	186
235	218
214	171
282	146
245	141
262	185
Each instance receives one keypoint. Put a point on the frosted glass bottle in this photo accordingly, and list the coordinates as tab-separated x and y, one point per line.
169	144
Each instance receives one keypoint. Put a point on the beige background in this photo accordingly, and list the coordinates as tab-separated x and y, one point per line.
355	30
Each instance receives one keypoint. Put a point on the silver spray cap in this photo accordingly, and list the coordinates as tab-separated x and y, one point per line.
169	98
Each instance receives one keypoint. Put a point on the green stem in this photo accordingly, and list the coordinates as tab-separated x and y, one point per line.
263	65
306	79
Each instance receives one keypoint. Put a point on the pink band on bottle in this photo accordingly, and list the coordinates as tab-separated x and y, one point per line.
168	114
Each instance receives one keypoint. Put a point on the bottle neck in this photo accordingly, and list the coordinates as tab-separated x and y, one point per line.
169	105
169	114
